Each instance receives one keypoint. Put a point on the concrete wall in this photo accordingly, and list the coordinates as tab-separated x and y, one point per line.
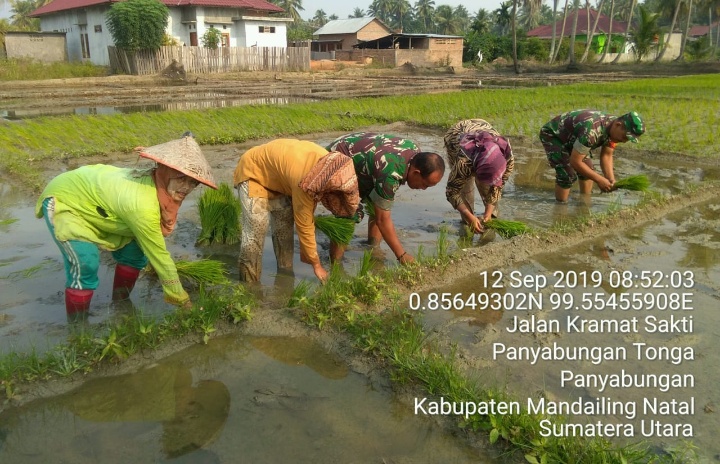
398	57
91	23
39	46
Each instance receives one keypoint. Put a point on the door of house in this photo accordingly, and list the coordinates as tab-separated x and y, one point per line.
225	40
193	39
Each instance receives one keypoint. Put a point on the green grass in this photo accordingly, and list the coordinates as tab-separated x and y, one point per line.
514	112
30	70
219	212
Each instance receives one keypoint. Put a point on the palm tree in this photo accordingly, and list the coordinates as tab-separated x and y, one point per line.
20	18
629	23
681	56
554	32
462	16
292	7
608	41
516	65
481	22
562	33
400	9
573	32
357	13
446	21
665	6
381	9
320	18
643	37
591	32
425	12
503	16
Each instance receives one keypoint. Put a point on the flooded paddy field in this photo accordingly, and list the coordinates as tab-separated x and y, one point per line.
248	382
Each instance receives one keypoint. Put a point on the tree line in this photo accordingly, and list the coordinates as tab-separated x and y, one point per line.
501	32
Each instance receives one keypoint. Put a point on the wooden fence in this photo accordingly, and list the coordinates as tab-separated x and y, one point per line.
201	60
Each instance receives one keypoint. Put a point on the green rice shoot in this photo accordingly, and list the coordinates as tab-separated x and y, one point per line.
507	229
339	230
203	271
219	216
638	183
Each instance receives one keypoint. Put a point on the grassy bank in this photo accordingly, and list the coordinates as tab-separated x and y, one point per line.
30	70
680	114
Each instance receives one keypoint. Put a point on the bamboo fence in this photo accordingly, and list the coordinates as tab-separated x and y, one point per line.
201	60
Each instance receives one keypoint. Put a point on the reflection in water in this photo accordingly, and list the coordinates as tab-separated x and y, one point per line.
192	417
302	351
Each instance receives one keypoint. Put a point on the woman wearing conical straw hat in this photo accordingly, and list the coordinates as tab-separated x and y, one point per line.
126	211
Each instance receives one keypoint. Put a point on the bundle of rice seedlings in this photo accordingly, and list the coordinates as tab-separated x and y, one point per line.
203	271
638	183
219	216
507	229
340	230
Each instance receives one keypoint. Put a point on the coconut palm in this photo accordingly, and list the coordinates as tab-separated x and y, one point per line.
562	33
357	13
381	9
446	21
513	25
609	35
291	7
425	12
20	18
400	10
643	36
681	56
320	18
481	23
503	16
665	7
629	22
591	32
573	32
462	16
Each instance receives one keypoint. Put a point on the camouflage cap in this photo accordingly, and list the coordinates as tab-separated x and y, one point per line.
634	126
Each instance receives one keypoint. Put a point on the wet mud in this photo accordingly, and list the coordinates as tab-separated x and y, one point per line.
253	371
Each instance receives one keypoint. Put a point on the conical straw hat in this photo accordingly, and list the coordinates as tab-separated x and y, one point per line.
183	155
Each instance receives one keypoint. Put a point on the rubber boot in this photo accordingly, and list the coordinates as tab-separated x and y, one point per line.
124	282
77	303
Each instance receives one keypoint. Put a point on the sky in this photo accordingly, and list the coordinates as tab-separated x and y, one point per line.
343	8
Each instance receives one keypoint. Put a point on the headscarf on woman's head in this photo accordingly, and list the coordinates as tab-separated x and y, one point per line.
168	206
333	182
489	155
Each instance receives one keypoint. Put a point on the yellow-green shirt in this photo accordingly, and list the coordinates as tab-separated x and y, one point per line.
128	199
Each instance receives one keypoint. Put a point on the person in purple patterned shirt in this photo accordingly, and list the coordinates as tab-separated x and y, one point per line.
569	139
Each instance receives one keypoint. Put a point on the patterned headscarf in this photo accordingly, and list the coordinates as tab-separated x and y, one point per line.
168	206
488	153
332	181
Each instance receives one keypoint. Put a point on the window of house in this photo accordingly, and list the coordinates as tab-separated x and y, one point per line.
267	29
98	28
85	45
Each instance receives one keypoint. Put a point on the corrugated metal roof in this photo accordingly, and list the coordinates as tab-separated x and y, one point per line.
344	26
64	5
431	36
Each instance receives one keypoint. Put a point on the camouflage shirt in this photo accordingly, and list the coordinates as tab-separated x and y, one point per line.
580	130
381	163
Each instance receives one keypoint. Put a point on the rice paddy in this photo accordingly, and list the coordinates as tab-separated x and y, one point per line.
506	228
638	183
219	216
339	230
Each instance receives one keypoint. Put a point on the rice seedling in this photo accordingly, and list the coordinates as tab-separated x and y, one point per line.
507	229
203	271
638	183
339	230
219	216
7	222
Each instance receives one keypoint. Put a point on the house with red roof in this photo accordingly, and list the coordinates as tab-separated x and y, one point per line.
585	23
242	23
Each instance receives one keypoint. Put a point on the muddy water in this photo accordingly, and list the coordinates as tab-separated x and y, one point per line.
31	277
684	246
32	317
236	400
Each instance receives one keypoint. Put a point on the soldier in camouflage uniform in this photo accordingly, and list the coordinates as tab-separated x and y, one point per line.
383	163
570	138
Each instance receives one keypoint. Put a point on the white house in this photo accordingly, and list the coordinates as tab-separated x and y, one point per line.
243	23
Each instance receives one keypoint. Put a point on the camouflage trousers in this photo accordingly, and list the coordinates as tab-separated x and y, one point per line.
559	158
